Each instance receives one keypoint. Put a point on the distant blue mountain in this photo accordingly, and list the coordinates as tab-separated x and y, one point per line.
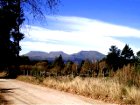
76	57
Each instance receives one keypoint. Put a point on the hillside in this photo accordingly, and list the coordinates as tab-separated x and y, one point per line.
76	57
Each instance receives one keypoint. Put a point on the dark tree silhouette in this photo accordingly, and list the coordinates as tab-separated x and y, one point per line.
138	55
11	18
113	58
127	52
127	55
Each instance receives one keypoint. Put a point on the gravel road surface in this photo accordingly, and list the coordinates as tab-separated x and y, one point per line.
21	93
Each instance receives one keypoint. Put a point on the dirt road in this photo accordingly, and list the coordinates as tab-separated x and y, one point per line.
20	93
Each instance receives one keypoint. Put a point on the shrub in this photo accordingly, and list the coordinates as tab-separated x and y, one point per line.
128	76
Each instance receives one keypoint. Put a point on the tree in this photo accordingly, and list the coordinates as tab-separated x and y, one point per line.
113	58
137	63
24	60
86	68
68	68
114	50
58	65
75	69
36	8
12	16
127	54
42	68
138	55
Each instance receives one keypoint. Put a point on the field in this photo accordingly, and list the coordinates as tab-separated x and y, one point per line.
106	89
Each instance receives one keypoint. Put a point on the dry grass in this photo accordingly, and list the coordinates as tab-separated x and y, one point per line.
129	76
2	74
106	89
29	79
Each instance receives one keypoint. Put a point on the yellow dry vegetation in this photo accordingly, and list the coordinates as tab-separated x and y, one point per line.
106	89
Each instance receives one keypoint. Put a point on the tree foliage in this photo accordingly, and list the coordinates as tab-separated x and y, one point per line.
58	65
86	67
138	53
127	53
117	58
12	16
113	58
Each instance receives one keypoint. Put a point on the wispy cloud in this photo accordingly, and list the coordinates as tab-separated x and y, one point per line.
96	27
72	34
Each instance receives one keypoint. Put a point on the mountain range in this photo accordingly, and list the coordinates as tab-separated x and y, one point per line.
76	57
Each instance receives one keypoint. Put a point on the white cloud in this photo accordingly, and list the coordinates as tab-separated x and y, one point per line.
76	34
96	27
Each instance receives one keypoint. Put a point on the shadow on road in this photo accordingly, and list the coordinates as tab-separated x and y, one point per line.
3	100
6	90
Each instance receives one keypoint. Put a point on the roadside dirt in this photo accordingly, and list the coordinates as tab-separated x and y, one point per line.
21	93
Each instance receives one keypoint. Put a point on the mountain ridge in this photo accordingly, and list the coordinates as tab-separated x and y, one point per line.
76	57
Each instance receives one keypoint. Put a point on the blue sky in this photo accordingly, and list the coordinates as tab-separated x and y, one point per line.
86	25
123	12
